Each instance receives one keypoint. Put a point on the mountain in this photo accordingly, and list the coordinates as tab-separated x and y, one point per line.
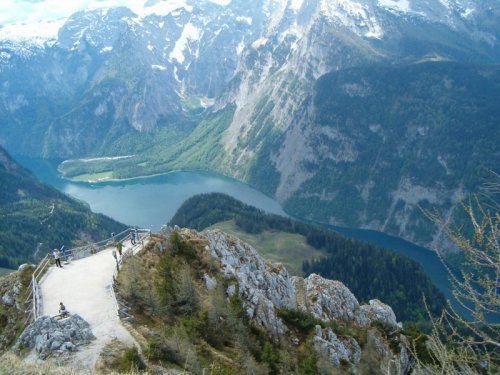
35	218
385	142
284	95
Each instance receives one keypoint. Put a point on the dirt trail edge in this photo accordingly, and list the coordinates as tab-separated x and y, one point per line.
84	286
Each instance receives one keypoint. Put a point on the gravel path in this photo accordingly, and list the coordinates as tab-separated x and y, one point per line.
84	286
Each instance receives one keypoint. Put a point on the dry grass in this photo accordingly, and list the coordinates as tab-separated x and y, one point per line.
11	364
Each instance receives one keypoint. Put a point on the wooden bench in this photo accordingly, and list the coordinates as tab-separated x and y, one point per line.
62	316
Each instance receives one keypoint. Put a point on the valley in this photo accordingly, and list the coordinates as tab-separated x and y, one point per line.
331	108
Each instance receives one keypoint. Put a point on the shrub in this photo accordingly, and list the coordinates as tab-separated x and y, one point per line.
131	360
302	321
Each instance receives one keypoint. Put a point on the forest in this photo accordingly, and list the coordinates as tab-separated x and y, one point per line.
35	218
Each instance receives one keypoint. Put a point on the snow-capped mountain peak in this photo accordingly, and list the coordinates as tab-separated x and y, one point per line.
36	34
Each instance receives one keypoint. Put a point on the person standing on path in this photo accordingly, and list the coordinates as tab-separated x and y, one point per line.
57	257
132	238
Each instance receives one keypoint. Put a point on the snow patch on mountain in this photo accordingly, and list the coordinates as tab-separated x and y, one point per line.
221	2
467	12
355	16
164	8
296	4
190	32
259	42
158	67
239	48
402	6
247	20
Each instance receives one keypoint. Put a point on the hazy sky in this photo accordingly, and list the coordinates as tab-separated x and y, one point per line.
21	11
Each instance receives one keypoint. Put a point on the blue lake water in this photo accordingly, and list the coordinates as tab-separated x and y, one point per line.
151	202
148	202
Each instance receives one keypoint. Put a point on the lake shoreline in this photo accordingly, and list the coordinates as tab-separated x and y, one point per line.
150	202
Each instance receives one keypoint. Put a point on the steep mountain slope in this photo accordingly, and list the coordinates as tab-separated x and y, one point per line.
385	140
233	88
35	218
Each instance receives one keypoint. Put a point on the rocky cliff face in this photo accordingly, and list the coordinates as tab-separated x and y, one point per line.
268	288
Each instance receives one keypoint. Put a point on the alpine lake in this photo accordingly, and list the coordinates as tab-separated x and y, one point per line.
151	202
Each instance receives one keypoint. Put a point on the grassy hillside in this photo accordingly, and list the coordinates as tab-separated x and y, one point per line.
5	271
369	272
291	249
34	217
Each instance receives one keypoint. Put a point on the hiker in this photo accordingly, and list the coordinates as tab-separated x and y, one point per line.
119	247
62	310
57	257
136	236
132	238
113	237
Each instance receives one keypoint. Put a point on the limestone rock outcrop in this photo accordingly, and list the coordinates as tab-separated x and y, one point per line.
336	349
49	336
267	288
378	311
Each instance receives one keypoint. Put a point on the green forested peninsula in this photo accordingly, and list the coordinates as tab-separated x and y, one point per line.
369	272
34	217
